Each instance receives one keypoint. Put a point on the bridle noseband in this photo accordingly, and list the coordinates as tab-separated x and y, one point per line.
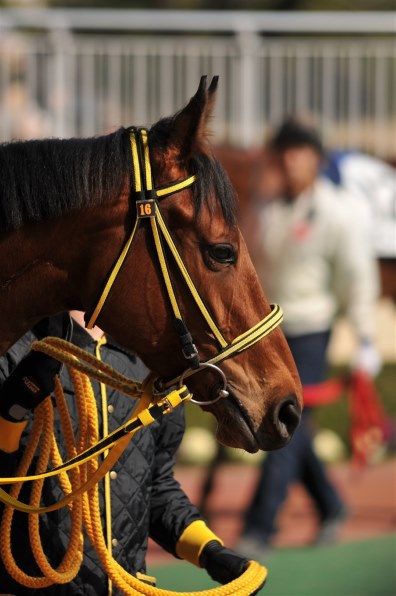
148	210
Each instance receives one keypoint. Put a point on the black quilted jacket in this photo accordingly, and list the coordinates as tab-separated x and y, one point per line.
146	500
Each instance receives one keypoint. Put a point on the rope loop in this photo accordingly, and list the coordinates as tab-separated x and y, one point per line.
81	486
86	363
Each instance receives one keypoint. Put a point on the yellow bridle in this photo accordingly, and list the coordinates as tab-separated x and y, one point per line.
148	208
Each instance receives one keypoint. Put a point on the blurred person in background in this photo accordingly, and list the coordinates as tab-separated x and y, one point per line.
309	243
140	498
372	182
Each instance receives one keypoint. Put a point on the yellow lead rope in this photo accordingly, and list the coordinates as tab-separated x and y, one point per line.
85	507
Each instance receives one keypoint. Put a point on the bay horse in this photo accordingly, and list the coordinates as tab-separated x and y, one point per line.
67	210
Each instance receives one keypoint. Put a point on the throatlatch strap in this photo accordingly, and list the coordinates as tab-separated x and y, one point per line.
111	279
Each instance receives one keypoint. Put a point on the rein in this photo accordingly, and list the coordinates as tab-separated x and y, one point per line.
148	209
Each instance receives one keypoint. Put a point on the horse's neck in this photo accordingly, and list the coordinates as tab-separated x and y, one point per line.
49	268
31	285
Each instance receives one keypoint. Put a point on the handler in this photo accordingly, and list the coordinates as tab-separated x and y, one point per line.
145	500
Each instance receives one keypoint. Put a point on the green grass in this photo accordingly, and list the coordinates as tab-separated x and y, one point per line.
354	569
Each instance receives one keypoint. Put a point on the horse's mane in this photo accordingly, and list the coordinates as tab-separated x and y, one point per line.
47	178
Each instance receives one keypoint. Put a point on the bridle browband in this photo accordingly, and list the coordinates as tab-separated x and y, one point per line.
148	209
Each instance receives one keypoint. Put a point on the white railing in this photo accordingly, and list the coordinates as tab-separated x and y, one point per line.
63	74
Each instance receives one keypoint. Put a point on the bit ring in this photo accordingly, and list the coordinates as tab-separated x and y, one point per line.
222	392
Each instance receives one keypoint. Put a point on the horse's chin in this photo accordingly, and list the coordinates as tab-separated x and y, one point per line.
233	428
236	430
237	438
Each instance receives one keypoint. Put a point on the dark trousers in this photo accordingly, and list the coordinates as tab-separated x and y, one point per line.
297	462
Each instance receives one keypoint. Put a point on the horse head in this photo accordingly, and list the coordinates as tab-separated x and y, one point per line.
68	210
263	407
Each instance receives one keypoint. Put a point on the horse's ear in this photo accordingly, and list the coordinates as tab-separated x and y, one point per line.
189	128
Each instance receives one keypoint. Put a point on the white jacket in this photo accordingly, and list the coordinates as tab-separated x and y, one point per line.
374	182
314	258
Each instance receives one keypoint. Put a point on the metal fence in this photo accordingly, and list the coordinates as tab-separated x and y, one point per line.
72	77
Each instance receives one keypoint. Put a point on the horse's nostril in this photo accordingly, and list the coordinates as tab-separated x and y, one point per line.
287	416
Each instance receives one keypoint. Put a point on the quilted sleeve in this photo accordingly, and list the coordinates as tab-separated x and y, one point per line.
10	432
171	509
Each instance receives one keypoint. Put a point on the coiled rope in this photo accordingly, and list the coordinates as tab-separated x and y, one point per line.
81	488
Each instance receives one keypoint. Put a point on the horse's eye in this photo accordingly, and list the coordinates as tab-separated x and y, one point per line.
222	253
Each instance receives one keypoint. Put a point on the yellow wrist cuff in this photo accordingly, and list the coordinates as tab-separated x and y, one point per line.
193	540
10	434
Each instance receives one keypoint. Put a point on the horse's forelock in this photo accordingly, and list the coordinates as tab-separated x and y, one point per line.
213	186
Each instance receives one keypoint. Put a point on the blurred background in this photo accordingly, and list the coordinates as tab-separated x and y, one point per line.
80	71
82	68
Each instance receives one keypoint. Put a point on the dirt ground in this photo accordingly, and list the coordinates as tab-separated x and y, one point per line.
370	495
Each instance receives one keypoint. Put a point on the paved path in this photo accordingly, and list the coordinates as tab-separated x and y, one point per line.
369	493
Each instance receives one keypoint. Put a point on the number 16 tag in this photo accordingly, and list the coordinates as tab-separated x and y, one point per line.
146	208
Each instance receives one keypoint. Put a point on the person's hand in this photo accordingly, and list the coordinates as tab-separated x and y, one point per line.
222	564
367	359
32	380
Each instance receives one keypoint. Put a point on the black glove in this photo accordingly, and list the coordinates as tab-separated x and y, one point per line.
29	384
222	564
